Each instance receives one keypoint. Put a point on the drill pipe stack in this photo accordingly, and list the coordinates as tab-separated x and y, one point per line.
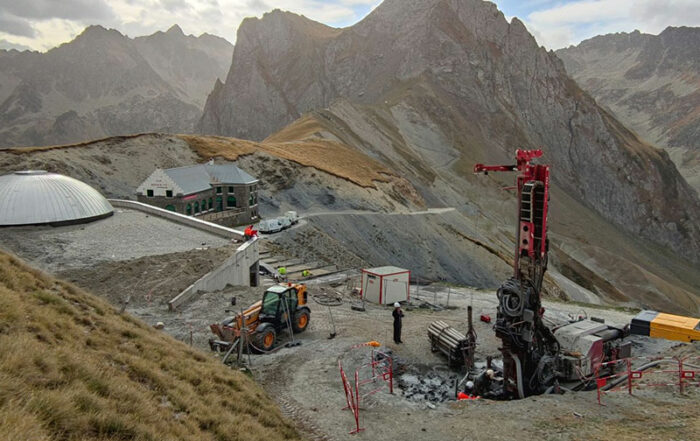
449	341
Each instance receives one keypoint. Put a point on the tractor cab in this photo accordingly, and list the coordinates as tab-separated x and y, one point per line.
277	301
282	306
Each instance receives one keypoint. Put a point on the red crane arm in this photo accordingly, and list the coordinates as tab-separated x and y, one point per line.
532	231
481	168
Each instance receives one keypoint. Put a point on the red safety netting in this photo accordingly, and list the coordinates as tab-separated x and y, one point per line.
380	369
643	372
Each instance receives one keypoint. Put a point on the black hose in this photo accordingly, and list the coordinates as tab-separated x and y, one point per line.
624	377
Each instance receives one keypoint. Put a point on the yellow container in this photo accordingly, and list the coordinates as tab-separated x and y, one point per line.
675	327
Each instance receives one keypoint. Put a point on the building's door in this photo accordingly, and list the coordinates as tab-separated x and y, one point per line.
170	208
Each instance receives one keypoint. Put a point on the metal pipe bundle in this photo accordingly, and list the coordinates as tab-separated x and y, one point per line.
449	341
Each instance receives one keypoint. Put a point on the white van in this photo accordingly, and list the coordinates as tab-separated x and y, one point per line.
269	226
284	222
292	216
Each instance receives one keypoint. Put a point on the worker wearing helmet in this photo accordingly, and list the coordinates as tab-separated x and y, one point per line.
482	384
398	315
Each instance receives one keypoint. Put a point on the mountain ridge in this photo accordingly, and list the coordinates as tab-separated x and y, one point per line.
649	82
484	85
103	83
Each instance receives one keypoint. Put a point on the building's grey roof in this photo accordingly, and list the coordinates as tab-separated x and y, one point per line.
197	178
191	179
385	270
229	174
38	197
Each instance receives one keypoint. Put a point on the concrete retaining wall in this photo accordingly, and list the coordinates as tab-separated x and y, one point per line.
235	271
190	221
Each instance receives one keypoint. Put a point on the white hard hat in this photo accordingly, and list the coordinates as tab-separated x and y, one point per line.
490	373
397	305
470	384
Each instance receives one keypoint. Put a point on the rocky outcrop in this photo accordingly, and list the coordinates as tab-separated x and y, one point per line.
104	83
453	77
189	64
651	83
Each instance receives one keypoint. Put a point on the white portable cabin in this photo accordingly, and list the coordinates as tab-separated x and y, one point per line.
386	285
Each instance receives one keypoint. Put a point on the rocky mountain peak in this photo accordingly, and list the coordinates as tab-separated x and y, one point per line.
175	30
98	33
282	25
104	83
458	66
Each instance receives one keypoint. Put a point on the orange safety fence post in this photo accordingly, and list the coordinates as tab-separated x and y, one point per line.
391	376
356	409
599	382
629	376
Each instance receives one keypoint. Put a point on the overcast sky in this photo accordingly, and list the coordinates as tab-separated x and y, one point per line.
43	24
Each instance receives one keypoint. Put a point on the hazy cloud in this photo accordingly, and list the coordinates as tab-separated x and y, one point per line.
45	9
663	13
562	24
4	44
174	5
14	26
42	24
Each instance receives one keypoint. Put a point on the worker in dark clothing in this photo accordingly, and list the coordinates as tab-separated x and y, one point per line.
484	383
398	314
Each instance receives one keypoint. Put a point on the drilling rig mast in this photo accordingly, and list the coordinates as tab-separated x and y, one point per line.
529	348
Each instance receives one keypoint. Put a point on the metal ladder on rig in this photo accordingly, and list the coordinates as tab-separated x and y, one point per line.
532	209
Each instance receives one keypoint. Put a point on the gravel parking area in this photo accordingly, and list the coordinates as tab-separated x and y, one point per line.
125	236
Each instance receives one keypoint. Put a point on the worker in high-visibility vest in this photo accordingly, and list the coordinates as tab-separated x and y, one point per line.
282	274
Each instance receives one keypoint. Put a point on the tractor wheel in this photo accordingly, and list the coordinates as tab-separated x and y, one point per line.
265	339
301	321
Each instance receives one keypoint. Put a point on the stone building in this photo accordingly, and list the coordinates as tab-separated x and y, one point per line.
223	194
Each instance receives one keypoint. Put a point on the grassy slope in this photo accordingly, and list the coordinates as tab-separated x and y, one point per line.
72	368
328	156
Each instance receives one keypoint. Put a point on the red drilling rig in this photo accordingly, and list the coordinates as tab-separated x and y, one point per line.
529	348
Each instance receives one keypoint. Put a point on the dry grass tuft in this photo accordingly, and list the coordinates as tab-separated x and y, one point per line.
72	368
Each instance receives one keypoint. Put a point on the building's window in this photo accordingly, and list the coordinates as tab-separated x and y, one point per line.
219	190
170	208
189	210
168	193
149	193
219	203
196	207
204	205
231	202
211	203
230	189
251	201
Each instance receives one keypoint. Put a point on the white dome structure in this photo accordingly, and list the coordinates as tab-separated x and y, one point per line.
36	197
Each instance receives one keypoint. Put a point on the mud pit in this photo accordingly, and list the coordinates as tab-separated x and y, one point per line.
421	383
